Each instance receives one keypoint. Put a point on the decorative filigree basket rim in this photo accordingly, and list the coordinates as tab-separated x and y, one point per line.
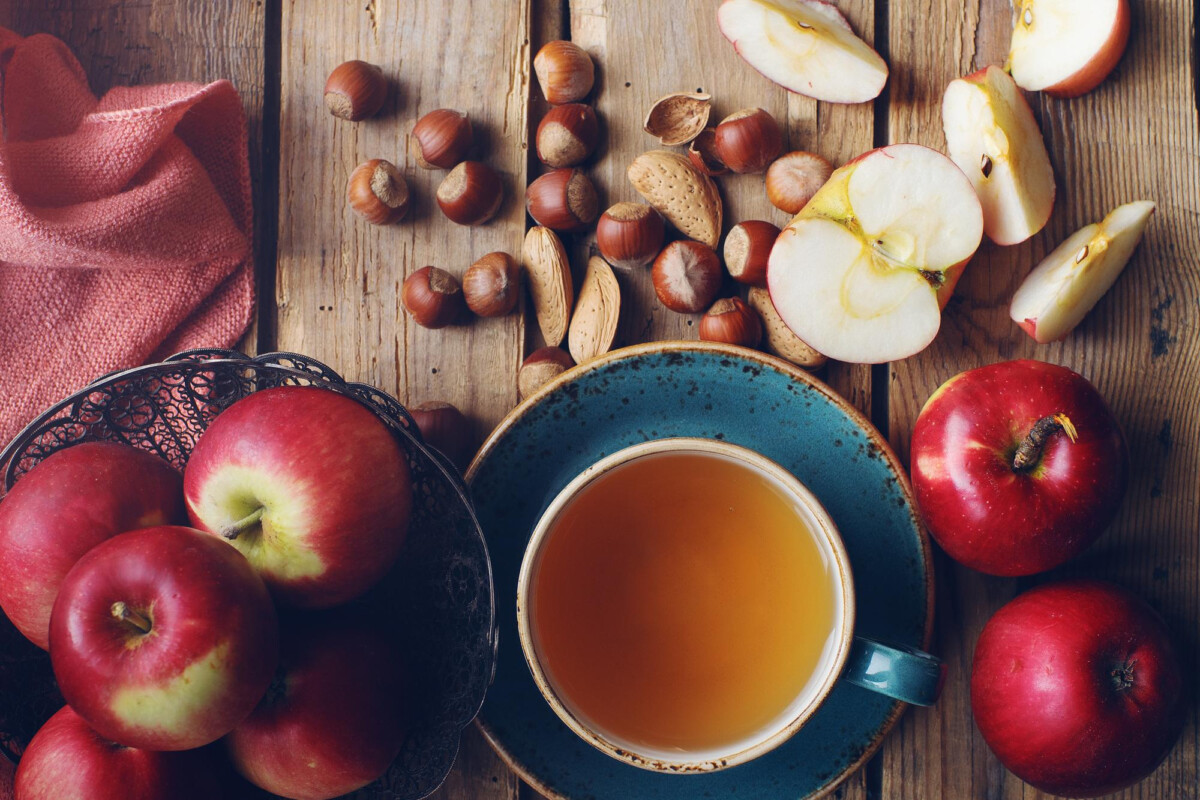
294	367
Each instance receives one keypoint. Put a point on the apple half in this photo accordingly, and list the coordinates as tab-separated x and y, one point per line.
1066	47
805	46
863	271
992	136
1061	290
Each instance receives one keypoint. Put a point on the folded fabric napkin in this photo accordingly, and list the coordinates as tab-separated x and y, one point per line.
125	224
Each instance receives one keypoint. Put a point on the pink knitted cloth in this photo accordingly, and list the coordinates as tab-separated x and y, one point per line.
125	225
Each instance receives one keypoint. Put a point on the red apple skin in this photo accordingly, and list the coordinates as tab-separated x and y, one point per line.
332	482
1077	688
983	512
65	506
334	719
207	660
67	760
1106	59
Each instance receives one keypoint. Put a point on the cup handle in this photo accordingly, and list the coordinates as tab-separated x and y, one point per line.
900	672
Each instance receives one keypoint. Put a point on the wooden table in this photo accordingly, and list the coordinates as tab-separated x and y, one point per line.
329	285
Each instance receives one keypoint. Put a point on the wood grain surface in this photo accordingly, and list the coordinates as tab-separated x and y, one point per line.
329	284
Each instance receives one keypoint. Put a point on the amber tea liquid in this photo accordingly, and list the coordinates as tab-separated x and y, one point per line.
681	603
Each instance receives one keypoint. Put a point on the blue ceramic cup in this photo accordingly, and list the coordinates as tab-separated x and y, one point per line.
898	672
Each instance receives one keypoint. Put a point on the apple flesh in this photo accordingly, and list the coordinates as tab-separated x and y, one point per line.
163	638
1077	688
1066	47
1017	467
1061	290
993	138
805	46
863	271
67	760
334	719
65	506
309	485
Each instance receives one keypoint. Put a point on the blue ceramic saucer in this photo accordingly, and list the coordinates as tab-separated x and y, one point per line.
699	389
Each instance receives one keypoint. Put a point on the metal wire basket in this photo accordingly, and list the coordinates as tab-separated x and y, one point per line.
439	597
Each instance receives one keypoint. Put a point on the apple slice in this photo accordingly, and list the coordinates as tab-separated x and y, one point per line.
992	136
863	271
806	46
1060	291
1066	47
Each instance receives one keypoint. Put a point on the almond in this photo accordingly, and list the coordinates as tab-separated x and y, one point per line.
549	278
678	118
779	337
687	198
594	325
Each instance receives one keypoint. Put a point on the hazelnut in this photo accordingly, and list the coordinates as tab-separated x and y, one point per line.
471	193
731	321
747	248
567	135
565	72
678	118
630	235
687	276
491	285
443	426
432	297
563	200
441	138
702	152
541	367
794	178
748	140
355	90
377	192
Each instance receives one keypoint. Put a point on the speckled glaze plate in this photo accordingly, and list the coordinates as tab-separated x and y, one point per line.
741	396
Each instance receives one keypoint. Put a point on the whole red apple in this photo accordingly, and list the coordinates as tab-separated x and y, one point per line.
163	638
65	506
335	717
1077	688
1017	467
67	760
310	485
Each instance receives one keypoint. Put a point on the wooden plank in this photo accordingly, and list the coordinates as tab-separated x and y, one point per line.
122	43
339	279
694	56
1135	137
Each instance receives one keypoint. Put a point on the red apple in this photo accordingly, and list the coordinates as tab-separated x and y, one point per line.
1017	467
335	717
1077	688
163	638
65	506
67	760
310	485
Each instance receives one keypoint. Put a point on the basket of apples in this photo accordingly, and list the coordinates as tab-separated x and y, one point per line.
226	577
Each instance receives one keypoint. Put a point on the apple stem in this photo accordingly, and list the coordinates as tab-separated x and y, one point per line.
236	529
1029	454
131	617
